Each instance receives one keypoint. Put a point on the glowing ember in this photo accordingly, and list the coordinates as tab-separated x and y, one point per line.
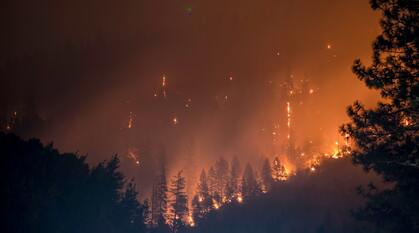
288	115
216	205
329	46
311	91
130	120
175	121
239	198
163	86
191	222
133	155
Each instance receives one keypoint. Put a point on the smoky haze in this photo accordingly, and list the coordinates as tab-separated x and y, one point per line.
91	73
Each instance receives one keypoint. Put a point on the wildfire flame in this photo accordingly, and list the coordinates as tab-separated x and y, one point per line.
239	198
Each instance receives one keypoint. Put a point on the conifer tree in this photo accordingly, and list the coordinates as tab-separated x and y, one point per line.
266	175
278	170
232	188
386	137
179	202
249	187
212	179
221	172
159	196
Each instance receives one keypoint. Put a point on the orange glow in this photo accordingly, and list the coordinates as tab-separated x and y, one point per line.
288	115
163	86
133	155
191	222
216	205
130	120
239	198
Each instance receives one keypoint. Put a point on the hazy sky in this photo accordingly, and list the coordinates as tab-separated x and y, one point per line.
84	67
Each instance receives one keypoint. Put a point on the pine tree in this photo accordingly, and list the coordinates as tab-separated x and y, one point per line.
159	196
131	211
212	179
278	170
221	172
232	189
179	202
249	187
266	174
386	138
205	199
202	202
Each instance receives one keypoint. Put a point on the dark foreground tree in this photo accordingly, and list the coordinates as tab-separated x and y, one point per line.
387	137
179	203
159	195
45	191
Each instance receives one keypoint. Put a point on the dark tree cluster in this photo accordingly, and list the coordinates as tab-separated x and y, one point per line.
45	191
387	136
305	203
226	184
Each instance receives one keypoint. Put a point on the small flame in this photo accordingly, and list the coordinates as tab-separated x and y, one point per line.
130	120
239	198
190	220
216	205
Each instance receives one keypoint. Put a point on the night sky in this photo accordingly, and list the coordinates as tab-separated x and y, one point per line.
87	75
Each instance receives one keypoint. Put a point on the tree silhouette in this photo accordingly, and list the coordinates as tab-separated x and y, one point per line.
221	173
46	191
159	196
266	175
250	187
179	202
212	181
386	137
202	202
232	188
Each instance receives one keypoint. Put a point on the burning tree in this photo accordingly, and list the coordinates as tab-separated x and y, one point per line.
278	170
202	202
386	137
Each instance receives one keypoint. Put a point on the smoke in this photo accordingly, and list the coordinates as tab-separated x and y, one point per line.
85	67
